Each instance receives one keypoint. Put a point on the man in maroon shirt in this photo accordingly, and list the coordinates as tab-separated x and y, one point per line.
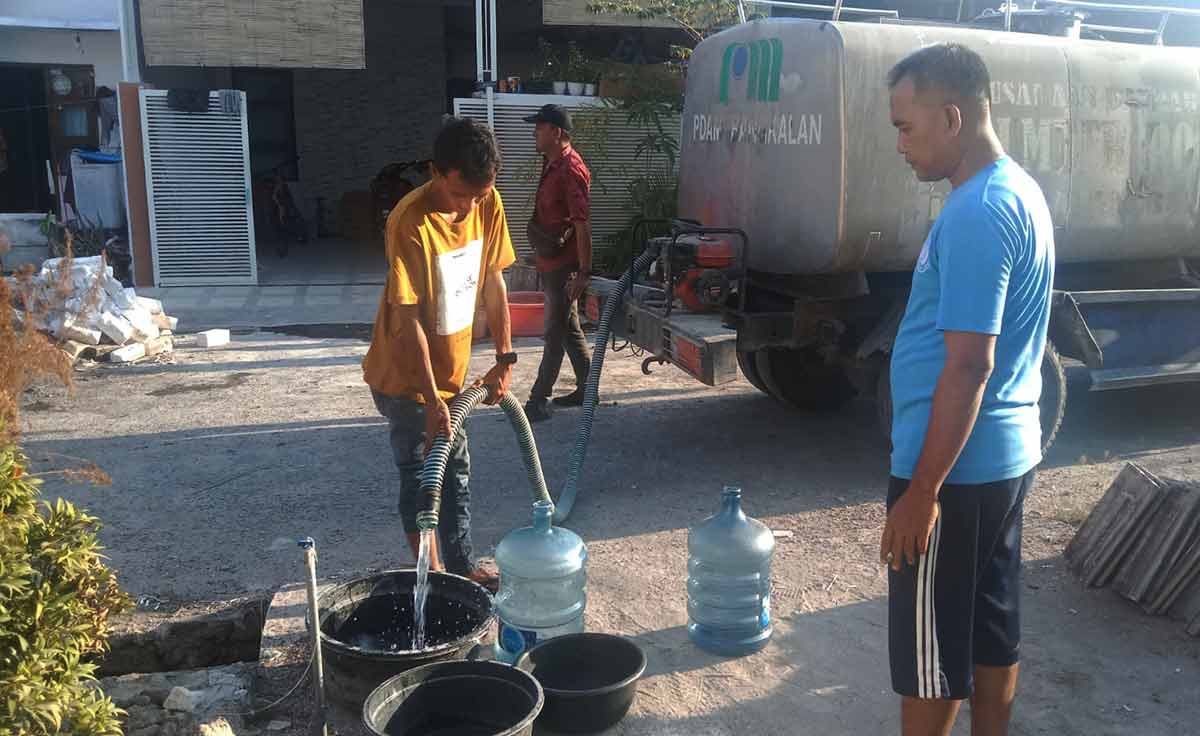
563	209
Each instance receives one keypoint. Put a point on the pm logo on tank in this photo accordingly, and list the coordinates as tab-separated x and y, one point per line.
755	64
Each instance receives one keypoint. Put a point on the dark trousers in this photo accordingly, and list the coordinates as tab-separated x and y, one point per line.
406	425
562	333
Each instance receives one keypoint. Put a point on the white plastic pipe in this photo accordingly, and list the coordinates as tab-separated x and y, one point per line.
314	616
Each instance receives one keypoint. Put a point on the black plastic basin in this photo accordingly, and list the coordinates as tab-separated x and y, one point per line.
366	628
455	698
590	680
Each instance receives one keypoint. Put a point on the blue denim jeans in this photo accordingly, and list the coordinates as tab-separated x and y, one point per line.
406	421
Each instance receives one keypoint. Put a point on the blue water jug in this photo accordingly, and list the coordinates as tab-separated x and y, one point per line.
729	580
543	584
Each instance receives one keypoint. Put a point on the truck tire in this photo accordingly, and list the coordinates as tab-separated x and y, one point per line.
801	378
1052	405
883	398
749	367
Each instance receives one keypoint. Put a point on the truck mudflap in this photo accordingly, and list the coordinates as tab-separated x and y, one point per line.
698	344
1130	338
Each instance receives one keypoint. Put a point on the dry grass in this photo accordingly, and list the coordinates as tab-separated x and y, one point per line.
27	354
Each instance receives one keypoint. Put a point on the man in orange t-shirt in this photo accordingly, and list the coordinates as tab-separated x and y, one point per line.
447	245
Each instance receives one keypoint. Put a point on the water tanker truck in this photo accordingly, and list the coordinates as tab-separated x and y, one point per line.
800	224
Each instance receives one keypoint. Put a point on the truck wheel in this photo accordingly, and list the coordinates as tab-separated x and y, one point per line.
749	367
1053	404
802	378
883	398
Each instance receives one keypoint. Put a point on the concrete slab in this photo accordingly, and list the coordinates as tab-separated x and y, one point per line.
251	307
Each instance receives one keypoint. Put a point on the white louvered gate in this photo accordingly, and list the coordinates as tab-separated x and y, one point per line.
198	186
518	179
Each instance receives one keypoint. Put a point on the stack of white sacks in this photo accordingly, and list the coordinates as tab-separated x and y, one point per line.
88	307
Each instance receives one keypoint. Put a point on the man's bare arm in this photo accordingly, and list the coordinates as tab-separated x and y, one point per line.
956	401
970	358
495	297
414	341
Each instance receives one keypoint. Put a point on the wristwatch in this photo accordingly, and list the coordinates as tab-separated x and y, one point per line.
506	359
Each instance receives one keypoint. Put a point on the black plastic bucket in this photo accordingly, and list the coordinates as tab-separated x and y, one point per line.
366	628
590	680
460	698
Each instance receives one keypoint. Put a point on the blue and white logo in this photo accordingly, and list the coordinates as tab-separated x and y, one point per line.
923	260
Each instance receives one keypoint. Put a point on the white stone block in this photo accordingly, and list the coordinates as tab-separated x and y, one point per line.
118	294
80	333
212	338
153	306
142	321
159	345
181	700
128	354
115	327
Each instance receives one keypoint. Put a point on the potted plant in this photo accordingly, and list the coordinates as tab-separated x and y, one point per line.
591	76
550	74
577	70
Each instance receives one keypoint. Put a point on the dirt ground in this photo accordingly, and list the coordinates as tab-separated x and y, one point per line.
223	458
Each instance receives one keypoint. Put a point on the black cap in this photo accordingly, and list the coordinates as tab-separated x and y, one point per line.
556	115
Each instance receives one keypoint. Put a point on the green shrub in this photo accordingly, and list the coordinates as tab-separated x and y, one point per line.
56	596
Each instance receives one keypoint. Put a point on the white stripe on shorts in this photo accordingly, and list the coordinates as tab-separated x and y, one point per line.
929	680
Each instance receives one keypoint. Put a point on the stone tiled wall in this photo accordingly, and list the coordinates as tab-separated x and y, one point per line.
349	124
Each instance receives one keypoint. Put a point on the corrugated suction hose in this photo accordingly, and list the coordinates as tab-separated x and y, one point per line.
433	473
434	470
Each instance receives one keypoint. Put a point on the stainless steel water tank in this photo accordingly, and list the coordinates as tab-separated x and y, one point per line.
787	134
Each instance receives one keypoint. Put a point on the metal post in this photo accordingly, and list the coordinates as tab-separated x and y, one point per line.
479	41
493	62
314	618
491	107
130	71
837	9
741	11
1008	11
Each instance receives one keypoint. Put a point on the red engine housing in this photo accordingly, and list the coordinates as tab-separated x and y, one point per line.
703	286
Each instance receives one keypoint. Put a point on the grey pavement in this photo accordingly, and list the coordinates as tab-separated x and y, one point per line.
223	458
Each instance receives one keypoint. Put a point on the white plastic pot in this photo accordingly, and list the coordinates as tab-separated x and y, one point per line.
576	88
589	90
560	88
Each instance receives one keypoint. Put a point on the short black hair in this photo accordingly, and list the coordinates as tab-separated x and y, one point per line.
468	147
951	67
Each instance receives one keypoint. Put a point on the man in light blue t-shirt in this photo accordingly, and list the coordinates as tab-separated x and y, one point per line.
965	381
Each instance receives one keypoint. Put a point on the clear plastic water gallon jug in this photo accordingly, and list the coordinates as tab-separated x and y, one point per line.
729	580
543	584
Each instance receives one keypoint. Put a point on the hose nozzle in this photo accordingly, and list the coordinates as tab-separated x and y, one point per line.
427	520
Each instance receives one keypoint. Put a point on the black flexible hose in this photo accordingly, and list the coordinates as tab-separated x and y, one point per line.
591	390
433	472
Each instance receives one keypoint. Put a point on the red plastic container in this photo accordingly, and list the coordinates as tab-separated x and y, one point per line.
525	312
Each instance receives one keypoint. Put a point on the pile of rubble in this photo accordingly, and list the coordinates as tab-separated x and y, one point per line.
1143	539
209	702
79	302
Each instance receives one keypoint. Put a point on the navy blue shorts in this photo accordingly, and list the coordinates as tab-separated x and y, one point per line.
959	606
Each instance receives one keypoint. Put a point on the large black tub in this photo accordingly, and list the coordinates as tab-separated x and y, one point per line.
455	699
589	680
367	628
